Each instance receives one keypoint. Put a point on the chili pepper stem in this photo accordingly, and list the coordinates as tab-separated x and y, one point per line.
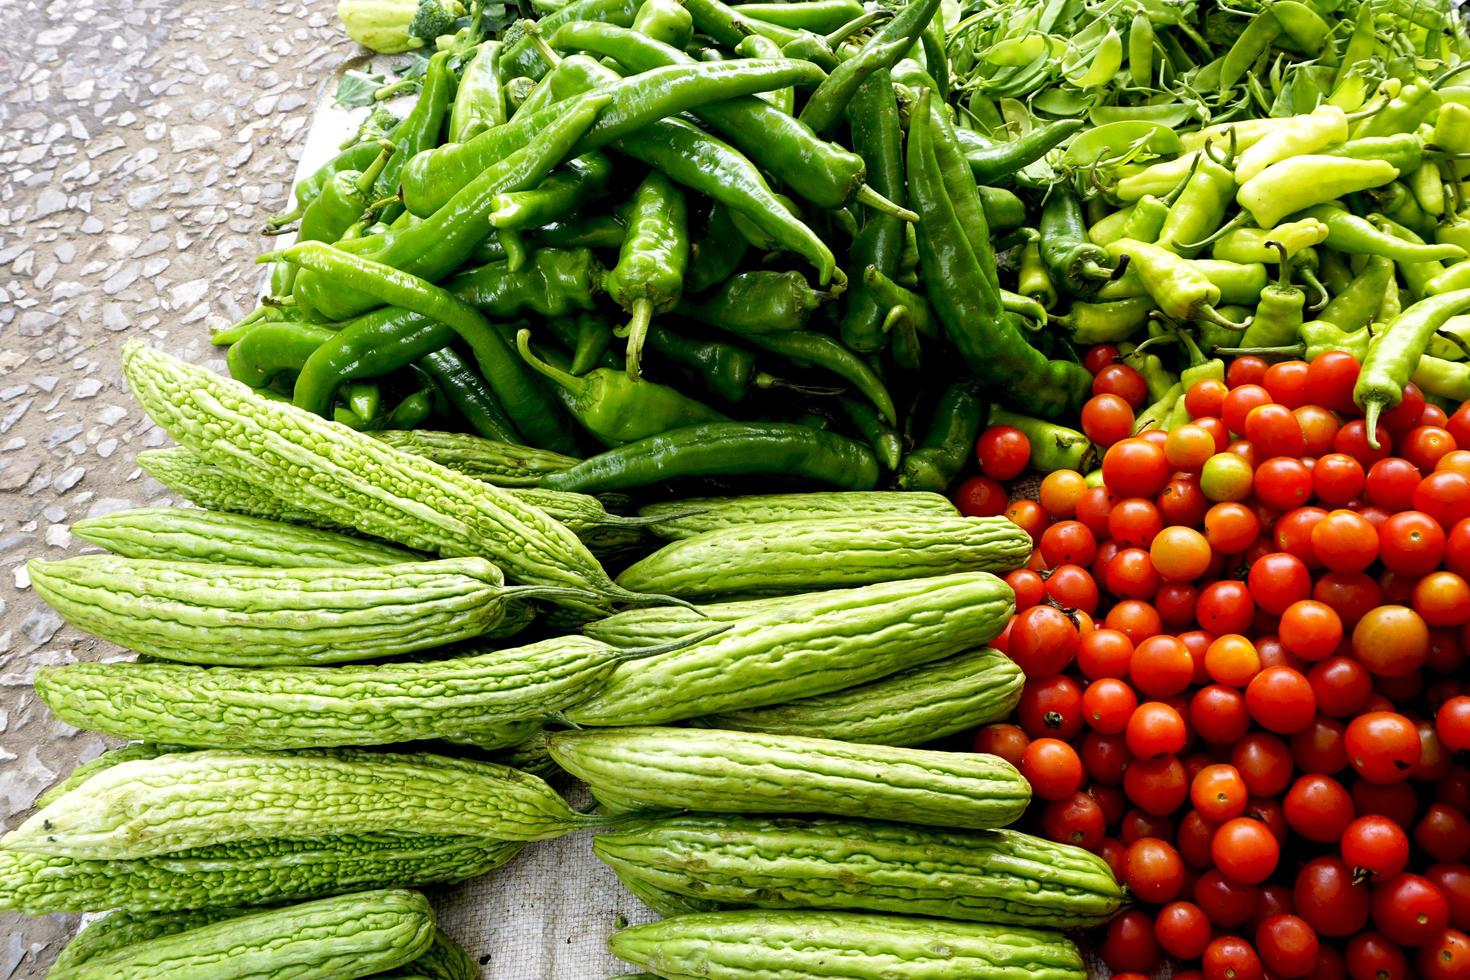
869	197
370	175
853	26
1209	314
636	330
1239	221
539	43
393	88
276	220
562	379
1310	278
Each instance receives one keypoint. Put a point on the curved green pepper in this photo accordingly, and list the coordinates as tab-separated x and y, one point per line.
649	276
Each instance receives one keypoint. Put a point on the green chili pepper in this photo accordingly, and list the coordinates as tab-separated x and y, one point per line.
1417	275
1357	306
759	46
820	16
1248	245
1004	211
433	247
724	370
1160	380
598	231
522	56
371	346
1072	260
885	441
878	138
1349	233
961	279
1053	447
822	172
633	103
823	110
420	129
1279	314
812	349
649	276
939	457
1395	353
1159	179
616	408
1111	227
558	196
665	21
1033	280
1404	150
355	157
1105	323
1201	368
463	388
1200	207
1403	114
725	449
363	399
811	47
272	348
551	283
1447	379
1301	182
891	296
1160	414
341	202
1176	284
590	343
527	404
702	163
1307	133
758	302
717	255
727	26
479	102
412	411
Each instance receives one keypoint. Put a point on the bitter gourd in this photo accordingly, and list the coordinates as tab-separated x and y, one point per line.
353	479
186	534
665	624
496	737
306	707
124	928
186	800
243	615
662	902
979	875
108	759
352	935
715	513
531	755
501	463
244	872
911	707
826	642
747	772
784	557
209	487
763	945
445	959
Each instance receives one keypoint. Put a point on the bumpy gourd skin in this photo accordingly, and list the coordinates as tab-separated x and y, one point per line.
199	612
259	872
696	515
124	928
911	707
500	463
811	645
186	534
746	772
190	799
811	555
307	707
980	876
343	936
814	945
352	479
445	959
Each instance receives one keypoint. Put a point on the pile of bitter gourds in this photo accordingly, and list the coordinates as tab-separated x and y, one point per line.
358	660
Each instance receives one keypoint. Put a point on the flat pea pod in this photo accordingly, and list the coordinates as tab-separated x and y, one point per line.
725	449
1395	352
1250	45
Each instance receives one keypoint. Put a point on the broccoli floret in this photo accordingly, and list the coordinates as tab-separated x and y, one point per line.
436	17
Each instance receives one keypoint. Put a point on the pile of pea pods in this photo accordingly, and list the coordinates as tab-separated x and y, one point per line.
823	238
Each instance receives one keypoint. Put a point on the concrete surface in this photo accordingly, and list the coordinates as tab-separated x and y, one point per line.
144	143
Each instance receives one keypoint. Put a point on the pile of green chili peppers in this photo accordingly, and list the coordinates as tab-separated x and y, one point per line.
826	239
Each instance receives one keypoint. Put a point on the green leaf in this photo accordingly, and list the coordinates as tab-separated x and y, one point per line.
356	89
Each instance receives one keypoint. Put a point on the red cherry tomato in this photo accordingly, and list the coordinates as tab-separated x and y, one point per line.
1231	958
1452	723
1218	714
1318	808
1447	957
1158	786
1043	641
1274	430
1328	898
1444	496
1287	382
1129	943
1337	479
1153	871
1155	729
1352	439
1225	607
1135	468
1264	762
1182	930
1077	820
1426	445
1052	767
1310	629
1410	910
1161	667
1330	380
1407	413
1283	482
1121	380
1277	580
1107	418
1370	956
1390	483
1382	746
1003	452
1287	945
1245	850
1391	641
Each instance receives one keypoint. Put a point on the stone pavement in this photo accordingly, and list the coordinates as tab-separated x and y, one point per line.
142	145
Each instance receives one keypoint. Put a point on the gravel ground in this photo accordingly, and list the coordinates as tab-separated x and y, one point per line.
145	142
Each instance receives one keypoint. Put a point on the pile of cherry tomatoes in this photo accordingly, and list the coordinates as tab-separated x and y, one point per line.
1245	648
